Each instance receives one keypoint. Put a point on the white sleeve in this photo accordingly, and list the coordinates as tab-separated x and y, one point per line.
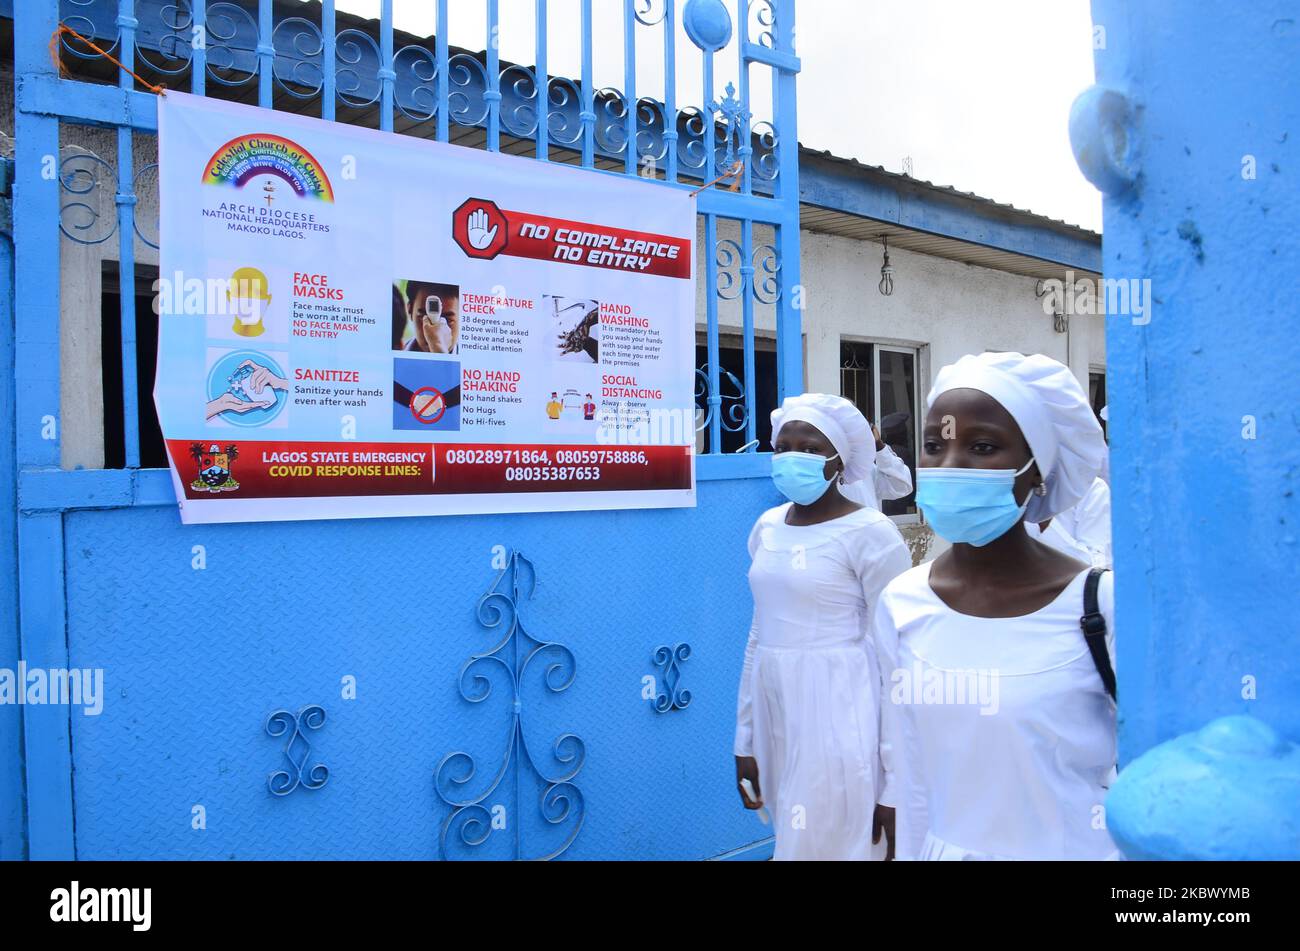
890	475
879	555
885	638
904	785
744	743
1092	524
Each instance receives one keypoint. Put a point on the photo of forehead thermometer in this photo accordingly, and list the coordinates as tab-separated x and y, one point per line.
436	329
752	796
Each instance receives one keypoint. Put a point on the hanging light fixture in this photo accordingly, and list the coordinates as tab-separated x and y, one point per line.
886	284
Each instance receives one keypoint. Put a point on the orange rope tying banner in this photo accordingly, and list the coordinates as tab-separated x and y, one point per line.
733	173
64	29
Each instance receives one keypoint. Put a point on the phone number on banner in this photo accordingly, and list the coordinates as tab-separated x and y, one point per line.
543	468
542	457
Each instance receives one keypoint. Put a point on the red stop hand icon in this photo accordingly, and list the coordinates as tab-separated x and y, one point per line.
480	228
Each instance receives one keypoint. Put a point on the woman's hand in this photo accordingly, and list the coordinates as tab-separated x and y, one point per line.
883	821
747	768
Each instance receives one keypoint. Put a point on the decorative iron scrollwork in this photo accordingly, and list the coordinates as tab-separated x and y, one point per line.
611	121
146	183
172	47
669	661
765	163
88	216
650	12
415	87
467	83
85	24
297	750
564	105
649	131
520	109
765	13
732	417
299	47
356	70
231	54
561	802
767	274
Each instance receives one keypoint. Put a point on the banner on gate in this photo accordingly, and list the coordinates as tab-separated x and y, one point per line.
356	324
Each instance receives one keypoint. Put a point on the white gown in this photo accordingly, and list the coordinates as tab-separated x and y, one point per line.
809	700
1019	771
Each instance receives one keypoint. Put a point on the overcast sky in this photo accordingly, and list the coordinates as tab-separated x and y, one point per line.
977	93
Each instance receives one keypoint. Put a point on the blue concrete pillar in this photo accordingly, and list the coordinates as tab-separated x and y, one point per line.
1192	133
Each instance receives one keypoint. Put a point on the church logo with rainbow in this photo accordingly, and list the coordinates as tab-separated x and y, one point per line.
261	157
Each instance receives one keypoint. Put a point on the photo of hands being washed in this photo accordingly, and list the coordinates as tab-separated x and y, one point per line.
715	434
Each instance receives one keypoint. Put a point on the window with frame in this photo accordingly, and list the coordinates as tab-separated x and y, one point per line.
881	380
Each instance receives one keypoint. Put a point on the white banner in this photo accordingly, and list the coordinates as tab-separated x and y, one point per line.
356	324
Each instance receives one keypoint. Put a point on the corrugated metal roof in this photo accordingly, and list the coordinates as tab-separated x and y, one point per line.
825	221
880	170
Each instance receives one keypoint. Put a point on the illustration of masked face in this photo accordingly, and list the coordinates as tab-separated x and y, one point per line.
249	301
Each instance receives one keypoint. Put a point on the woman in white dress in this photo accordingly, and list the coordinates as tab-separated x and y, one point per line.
999	733
808	713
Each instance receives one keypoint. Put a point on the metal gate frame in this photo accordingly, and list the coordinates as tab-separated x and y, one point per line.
767	194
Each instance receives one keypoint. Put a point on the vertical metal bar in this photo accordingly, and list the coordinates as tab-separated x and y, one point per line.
670	88
747	324
747	226
708	117
711	332
517	731
199	48
41	603
444	91
385	72
789	329
329	60
588	114
629	84
47	728
493	91
125	201
265	54
743	148
541	81
13	838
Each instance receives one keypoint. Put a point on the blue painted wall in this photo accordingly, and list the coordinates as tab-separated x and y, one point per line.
195	660
1207	523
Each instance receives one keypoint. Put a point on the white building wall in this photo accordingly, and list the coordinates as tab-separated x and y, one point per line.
944	308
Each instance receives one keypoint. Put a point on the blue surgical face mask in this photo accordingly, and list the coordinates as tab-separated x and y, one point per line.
799	475
970	506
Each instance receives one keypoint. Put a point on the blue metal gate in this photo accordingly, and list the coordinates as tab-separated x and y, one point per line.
567	684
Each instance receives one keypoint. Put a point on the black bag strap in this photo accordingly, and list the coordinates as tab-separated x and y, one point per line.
1093	624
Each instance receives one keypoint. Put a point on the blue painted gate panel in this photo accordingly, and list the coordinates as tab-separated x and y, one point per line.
196	659
181	762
